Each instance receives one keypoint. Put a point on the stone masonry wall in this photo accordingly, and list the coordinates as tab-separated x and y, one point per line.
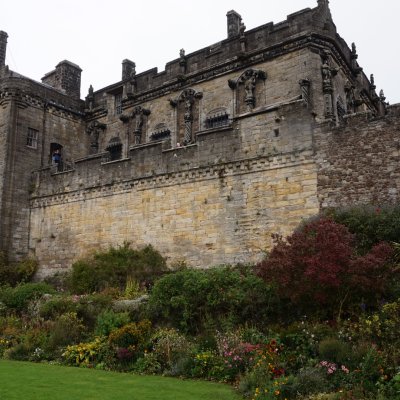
204	215
360	162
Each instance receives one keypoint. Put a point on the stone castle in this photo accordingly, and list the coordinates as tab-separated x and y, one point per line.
204	160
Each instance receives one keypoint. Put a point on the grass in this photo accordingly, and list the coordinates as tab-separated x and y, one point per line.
24	380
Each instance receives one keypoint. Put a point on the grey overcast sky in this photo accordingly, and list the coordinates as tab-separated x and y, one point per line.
98	34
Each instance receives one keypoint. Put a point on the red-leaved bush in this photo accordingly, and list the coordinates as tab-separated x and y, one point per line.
318	264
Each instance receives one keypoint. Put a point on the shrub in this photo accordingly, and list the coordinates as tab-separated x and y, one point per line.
370	224
67	329
318	266
192	299
55	306
18	298
334	350
265	379
108	320
148	364
87	354
169	347
19	352
113	267
133	335
20	272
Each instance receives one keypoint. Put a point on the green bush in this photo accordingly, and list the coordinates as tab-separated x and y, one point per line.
67	329
169	347
190	300
15	273
56	306
133	335
334	350
113	267
18	298
370	224
108	320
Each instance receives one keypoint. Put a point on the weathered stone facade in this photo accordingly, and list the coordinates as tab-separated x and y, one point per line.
204	160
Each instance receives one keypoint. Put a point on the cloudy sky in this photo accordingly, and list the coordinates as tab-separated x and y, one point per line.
98	34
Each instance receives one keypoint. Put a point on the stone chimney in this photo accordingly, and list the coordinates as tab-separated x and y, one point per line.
233	20
3	48
66	77
128	69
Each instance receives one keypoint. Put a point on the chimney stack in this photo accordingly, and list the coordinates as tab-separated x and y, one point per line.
3	48
234	20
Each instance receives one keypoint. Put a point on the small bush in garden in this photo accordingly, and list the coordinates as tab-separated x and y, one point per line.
18	298
20	272
67	329
169	346
86	354
19	352
238	356
208	365
114	266
55	306
266	377
370	224
148	364
334	350
131	335
90	306
108	320
191	299
132	288
318	266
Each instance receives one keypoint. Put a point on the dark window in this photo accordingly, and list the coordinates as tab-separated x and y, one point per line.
114	149
118	103
32	138
217	120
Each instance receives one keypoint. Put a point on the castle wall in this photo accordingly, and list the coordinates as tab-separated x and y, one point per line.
23	113
281	85
205	216
360	162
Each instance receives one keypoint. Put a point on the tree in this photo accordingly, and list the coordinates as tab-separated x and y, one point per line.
317	266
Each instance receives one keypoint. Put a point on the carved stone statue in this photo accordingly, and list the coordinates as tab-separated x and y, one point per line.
188	119
90	98
249	87
93	130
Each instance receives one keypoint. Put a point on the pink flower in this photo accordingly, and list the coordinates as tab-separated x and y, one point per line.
345	370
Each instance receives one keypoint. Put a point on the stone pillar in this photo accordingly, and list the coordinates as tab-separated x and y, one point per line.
3	48
233	20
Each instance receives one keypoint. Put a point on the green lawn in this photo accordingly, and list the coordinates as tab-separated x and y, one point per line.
24	380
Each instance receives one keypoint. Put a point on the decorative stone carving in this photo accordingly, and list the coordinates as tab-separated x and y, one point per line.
186	106
93	130
139	113
340	110
182	61
327	73
249	81
305	85
354	56
90	99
